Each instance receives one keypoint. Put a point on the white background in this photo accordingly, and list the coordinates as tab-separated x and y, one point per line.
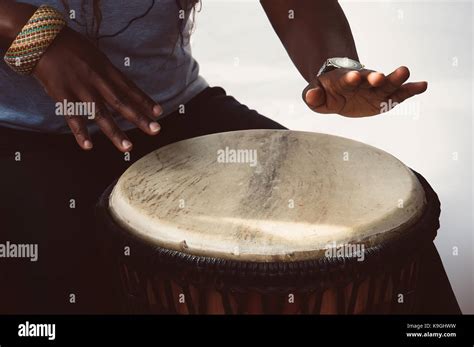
238	50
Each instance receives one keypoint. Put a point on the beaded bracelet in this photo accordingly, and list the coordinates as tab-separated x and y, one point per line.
34	39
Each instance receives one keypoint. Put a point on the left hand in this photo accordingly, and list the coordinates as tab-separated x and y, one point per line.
360	93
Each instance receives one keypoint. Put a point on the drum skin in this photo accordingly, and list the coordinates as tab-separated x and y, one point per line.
162	279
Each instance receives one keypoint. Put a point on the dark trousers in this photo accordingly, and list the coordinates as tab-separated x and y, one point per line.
37	194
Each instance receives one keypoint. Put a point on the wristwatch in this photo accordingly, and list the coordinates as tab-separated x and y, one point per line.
340	63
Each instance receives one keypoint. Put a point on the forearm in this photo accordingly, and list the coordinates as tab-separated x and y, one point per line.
13	16
318	31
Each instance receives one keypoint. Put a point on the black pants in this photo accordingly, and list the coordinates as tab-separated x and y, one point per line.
54	175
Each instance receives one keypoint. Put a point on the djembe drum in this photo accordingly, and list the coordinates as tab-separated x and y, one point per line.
269	221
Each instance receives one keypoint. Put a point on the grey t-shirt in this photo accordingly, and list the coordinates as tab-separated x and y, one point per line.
159	62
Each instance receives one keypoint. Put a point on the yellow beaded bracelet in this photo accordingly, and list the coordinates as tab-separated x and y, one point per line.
34	39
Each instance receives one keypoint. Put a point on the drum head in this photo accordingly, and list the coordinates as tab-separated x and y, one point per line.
267	195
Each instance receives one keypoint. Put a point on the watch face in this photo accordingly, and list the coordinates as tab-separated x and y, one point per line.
346	63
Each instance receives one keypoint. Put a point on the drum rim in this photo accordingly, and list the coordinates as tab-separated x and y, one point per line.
151	254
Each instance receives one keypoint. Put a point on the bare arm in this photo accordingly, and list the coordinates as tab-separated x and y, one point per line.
74	70
13	15
318	31
313	31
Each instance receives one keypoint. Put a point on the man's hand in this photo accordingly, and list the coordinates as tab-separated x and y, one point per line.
360	93
318	30
73	69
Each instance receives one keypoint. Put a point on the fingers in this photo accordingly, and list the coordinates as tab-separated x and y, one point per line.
408	90
348	81
141	99
395	88
395	80
78	126
314	95
339	83
77	123
372	78
336	90
122	101
342	81
105	121
108	126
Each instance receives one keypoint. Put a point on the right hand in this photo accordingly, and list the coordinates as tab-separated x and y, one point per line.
73	69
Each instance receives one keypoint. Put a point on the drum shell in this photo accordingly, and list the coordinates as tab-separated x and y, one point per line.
158	280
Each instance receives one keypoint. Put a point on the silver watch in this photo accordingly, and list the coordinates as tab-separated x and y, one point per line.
340	63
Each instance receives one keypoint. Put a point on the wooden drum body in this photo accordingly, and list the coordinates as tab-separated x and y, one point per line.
293	223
